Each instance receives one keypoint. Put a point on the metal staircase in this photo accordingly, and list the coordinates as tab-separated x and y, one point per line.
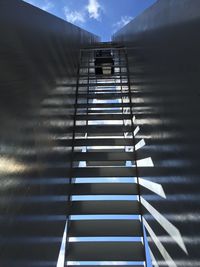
105	222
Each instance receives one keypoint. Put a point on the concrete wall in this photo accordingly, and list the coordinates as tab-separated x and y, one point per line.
39	56
163	52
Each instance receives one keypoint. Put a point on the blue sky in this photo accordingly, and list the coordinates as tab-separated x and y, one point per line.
102	17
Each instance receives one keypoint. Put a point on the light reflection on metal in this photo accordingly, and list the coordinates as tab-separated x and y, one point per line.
136	130
147	162
168	226
154	262
168	259
61	256
140	144
154	187
12	166
105	263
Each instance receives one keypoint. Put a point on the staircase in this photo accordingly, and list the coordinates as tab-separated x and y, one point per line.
105	222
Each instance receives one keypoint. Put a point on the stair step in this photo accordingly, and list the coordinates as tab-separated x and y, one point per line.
103	142
105	251
104	172
103	129
95	142
104	207
84	66
105	163
104	76
87	228
97	66
104	117
99	96
105	189
103	84
68	265
103	156
100	111
106	91
103	105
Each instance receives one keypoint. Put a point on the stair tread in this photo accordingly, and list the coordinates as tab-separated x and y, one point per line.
104	117
105	189
104	142
102	105
103	84
68	265
105	251
103	156
87	228
113	95
105	207
115	129
104	172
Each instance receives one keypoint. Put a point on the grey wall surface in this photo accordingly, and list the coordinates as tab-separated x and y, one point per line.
39	56
163	52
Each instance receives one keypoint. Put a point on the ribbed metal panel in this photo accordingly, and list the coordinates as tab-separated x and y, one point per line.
38	52
164	59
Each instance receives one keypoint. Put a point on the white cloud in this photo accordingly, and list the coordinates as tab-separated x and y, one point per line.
122	22
47	5
31	2
94	9
74	16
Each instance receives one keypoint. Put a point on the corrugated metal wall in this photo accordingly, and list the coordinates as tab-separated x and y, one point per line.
163	51
39	56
